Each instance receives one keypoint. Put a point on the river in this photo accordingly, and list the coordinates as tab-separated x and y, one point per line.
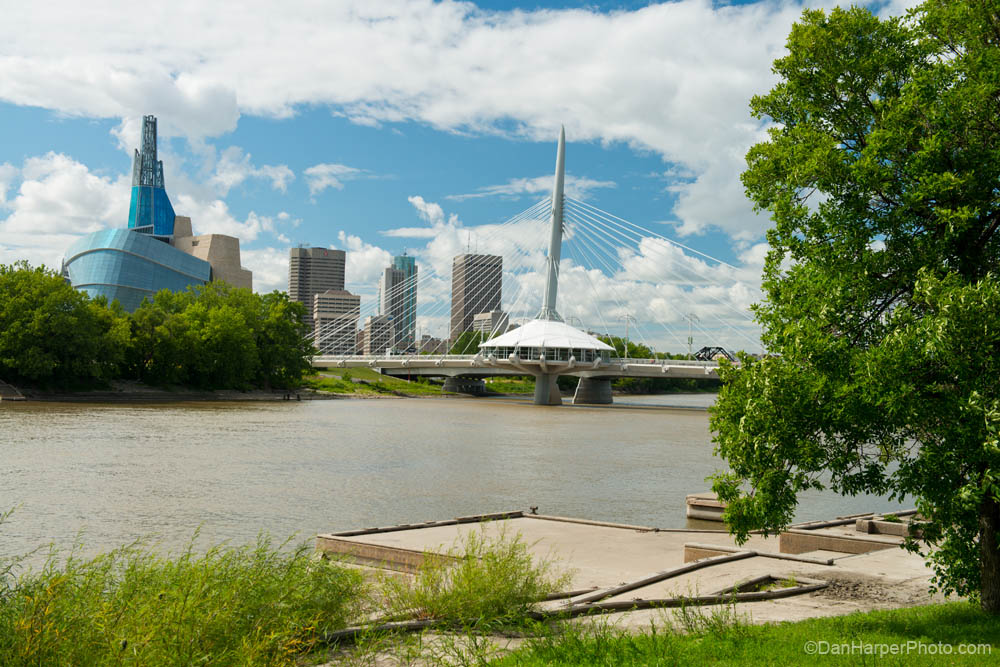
109	473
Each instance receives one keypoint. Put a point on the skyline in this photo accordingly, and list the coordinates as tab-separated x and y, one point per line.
389	130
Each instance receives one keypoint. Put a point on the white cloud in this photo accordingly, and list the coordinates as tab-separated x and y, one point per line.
269	266
673	78
365	262
234	167
59	194
578	187
213	217
319	177
8	173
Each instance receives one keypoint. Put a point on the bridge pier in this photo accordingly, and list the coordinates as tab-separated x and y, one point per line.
461	385
593	391
547	390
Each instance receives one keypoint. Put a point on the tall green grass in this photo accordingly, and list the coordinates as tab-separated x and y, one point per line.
483	581
262	604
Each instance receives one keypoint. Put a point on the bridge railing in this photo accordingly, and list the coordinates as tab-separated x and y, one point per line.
669	362
395	357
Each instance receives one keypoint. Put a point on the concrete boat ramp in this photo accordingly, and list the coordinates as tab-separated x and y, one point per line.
815	569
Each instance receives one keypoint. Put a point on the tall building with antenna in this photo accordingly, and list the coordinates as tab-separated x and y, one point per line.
475	288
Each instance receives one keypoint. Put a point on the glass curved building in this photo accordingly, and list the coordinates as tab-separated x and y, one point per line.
128	266
157	251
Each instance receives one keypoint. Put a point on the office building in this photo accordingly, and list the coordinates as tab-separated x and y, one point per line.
157	250
475	288
377	335
397	297
336	314
314	270
490	324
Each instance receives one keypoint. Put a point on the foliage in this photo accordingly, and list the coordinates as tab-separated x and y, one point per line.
211	336
880	174
467	343
53	335
654	385
216	336
257	605
721	640
483	580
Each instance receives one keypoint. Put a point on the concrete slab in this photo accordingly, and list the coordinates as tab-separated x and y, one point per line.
596	554
605	555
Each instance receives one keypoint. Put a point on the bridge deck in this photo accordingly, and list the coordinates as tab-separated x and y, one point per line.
477	366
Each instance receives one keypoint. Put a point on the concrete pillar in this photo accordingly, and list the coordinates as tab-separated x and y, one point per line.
547	390
593	391
461	385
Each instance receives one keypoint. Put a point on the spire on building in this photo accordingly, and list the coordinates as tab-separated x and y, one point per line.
150	211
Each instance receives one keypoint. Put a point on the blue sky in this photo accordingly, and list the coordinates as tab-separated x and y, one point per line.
349	124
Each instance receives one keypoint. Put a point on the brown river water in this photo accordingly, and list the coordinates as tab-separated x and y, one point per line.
106	474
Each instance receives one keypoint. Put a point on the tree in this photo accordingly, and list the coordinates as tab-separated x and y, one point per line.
51	334
882	294
216	336
467	343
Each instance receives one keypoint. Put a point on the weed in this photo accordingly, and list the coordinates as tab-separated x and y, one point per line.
481	580
257	605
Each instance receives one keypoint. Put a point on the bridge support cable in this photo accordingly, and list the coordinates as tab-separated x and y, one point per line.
593	246
576	252
607	237
695	266
711	334
600	239
610	233
643	231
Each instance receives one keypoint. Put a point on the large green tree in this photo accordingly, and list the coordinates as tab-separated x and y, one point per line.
53	335
882	286
216	336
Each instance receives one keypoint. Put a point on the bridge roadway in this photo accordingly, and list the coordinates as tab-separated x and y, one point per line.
476	366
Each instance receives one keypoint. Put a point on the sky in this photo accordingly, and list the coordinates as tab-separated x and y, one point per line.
410	126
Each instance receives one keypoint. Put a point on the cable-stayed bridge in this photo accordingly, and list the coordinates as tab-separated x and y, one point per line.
617	279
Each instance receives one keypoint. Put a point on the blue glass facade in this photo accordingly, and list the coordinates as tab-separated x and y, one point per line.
406	315
150	211
121	264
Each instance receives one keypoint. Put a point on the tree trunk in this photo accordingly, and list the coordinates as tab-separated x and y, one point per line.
989	553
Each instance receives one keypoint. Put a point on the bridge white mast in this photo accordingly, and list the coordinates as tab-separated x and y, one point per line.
548	311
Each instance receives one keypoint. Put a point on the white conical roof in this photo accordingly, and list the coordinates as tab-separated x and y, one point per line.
548	334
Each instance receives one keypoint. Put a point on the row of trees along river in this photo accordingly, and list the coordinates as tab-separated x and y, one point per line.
211	336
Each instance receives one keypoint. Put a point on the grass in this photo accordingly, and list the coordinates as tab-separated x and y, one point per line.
371	382
256	605
722	638
511	385
483	581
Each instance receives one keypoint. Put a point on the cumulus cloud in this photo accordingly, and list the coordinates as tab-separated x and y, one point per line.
214	217
51	201
319	177
578	187
234	167
672	78
365	262
8	173
269	266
